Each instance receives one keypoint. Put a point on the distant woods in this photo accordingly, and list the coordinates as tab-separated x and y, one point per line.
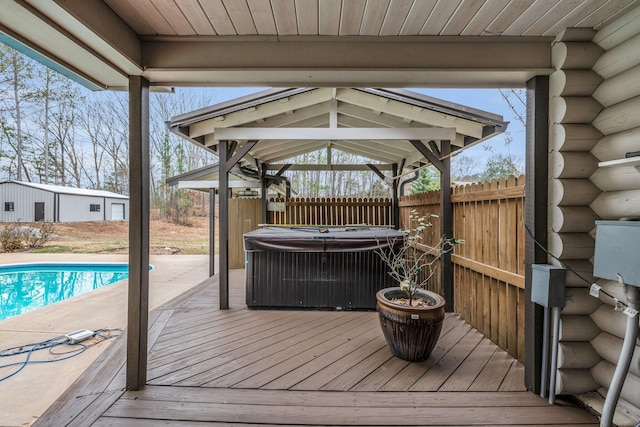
57	132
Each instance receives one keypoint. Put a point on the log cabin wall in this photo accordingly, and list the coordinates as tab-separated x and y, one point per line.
571	220
594	104
619	123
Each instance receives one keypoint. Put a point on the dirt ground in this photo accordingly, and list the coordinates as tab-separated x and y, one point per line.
113	236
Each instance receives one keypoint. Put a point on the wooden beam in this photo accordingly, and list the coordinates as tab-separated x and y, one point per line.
536	201
283	169
124	44
435	160
488	270
299	115
269	110
231	147
239	154
138	291
79	55
339	133
316	61
377	171
216	184
434	148
421	117
223	234
477	196
276	149
331	167
333	114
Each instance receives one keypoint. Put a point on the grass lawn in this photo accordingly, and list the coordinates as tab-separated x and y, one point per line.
113	237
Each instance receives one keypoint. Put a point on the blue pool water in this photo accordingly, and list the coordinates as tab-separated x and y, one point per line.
25	287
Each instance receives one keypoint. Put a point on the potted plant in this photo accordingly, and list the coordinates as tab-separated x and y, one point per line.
410	316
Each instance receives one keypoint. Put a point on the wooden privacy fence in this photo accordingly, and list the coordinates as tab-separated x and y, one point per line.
488	270
330	211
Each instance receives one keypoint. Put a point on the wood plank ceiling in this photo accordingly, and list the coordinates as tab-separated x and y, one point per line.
299	43
363	17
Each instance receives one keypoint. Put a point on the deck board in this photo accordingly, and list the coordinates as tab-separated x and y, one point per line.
351	408
245	367
493	373
339	368
468	371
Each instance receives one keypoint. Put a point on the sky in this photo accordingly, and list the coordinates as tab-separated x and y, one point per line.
489	100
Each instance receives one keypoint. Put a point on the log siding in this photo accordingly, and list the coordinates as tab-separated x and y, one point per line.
619	123
594	104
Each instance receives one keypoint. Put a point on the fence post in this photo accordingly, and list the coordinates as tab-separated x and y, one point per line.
394	197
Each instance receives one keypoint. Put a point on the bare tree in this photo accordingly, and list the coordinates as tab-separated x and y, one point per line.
170	154
16	71
56	98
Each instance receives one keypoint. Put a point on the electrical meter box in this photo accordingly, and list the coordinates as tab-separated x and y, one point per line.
548	285
618	251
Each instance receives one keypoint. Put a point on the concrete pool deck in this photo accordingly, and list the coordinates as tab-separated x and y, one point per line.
29	393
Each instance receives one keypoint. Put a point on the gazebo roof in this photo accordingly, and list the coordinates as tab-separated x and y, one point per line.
356	108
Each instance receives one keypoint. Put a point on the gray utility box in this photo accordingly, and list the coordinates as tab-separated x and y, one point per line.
618	251
548	285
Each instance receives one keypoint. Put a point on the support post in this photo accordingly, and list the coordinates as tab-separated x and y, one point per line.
536	191
264	188
212	231
446	225
223	244
138	291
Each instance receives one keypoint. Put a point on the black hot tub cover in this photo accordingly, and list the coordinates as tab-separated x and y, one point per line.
318	239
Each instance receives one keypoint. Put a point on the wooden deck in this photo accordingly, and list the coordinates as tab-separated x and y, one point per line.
244	367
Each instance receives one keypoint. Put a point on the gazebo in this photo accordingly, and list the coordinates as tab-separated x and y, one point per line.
400	130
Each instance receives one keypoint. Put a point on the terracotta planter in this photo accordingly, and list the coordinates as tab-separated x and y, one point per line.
411	332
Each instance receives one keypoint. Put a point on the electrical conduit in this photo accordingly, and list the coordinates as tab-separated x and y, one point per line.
629	344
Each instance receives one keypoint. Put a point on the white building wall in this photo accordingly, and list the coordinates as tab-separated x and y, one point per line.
24	199
58	206
74	208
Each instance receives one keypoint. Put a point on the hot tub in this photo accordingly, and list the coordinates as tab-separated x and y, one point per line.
320	268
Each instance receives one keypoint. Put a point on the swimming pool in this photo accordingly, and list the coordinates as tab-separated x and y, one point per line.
26	287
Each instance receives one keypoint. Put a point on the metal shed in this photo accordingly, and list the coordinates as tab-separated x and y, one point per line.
30	202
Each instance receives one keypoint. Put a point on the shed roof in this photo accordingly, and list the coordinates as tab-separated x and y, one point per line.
69	190
356	108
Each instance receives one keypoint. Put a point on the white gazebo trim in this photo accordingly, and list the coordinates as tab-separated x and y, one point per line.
361	134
